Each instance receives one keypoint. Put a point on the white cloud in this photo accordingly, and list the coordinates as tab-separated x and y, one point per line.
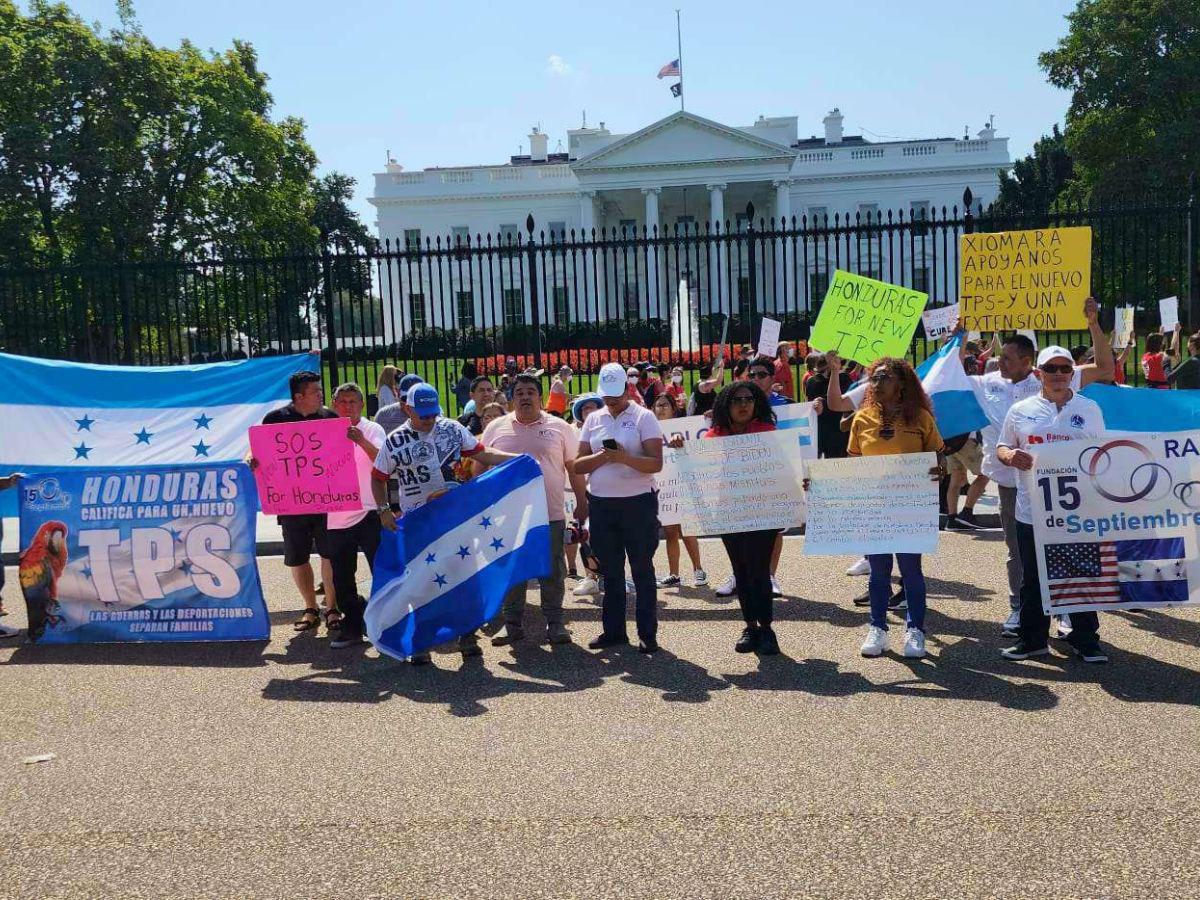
558	67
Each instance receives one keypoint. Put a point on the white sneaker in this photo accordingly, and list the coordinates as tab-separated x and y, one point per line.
630	587
876	642
862	567
700	577
1064	626
914	644
6	632
728	589
1012	625
667	581
587	587
776	590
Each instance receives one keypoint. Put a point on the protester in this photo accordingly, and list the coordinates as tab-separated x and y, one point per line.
664	410
784	354
560	396
620	450
386	388
632	391
482	393
307	533
554	444
743	409
811	363
8	481
491	412
462	387
762	373
1186	375
350	532
831	440
961	463
650	385
675	390
1057	413
895	417
705	392
1155	362
740	369
584	405
394	415
421	455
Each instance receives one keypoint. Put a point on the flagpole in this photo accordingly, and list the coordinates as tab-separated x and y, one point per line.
679	49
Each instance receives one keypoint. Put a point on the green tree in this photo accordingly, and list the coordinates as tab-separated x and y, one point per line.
1035	182
1133	69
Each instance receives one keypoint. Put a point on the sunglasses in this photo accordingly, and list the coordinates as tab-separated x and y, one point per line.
761	374
880	377
1063	369
741	399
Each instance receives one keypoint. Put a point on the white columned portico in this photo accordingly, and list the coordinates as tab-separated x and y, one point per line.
652	230
784	290
718	256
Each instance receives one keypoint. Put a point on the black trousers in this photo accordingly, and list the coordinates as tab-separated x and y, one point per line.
343	546
750	555
1035	624
626	527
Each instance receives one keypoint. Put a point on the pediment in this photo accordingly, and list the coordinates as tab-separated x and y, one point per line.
683	139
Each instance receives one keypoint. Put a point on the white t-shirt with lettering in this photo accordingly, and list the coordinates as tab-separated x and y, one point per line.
633	426
1036	420
423	463
374	433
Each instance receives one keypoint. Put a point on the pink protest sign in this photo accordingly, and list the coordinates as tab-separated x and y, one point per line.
305	467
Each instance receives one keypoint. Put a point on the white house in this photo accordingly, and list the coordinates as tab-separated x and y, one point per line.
683	170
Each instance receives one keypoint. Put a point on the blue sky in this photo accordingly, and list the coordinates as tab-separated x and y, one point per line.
461	83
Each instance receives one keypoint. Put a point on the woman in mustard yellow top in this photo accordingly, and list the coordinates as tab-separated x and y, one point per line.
895	417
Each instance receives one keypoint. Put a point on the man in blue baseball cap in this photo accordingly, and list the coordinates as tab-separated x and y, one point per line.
421	455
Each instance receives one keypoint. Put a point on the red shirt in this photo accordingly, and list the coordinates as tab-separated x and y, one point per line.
1152	366
753	428
783	378
676	393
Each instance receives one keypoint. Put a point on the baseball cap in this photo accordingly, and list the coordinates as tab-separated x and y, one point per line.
612	381
408	382
576	407
423	399
1054	352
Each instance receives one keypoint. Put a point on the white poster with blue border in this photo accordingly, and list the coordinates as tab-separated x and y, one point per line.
153	553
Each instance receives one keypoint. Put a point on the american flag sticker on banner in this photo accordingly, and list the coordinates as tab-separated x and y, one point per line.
1136	572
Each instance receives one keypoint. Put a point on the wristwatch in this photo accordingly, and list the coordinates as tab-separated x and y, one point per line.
382	509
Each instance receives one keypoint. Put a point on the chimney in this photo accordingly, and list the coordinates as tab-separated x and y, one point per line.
833	126
537	145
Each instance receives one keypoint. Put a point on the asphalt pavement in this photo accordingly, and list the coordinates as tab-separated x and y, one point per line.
289	769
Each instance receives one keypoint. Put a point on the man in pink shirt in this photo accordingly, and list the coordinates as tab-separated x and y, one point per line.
553	443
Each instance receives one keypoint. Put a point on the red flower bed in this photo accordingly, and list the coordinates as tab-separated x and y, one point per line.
587	360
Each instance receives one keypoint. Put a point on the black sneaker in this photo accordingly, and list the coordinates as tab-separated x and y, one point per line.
898	601
1020	650
966	521
748	642
607	640
1091	653
768	644
648	647
863	600
347	639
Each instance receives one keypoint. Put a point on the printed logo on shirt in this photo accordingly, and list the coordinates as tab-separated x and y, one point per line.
1049	438
1076	421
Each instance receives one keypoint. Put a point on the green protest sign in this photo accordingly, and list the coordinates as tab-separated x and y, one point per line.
863	319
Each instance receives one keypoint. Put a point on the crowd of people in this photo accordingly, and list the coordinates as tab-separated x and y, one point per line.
599	452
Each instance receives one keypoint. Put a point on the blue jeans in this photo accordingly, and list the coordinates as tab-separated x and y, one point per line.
912	579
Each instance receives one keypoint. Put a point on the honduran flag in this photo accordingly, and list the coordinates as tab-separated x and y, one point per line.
1145	409
1116	574
955	407
60	414
446	568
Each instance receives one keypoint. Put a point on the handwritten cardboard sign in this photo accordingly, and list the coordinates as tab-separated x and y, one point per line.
1168	313
768	337
305	467
1124	326
872	504
939	321
864	319
1013	280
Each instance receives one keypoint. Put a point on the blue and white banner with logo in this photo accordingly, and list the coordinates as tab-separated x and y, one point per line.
1117	521
154	553
60	414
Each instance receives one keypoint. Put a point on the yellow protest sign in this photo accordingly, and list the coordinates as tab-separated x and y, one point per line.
1016	280
863	319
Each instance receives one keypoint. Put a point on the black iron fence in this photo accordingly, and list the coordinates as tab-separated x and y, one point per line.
550	298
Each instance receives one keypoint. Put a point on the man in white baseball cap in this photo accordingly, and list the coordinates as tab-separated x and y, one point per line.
1057	413
620	450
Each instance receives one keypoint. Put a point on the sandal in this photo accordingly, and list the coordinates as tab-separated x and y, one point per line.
333	619
308	620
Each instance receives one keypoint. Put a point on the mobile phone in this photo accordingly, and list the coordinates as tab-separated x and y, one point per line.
610	444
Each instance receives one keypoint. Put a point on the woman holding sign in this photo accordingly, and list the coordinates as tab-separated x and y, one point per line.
896	417
743	408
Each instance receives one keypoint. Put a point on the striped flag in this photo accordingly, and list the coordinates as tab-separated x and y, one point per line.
1091	574
671	70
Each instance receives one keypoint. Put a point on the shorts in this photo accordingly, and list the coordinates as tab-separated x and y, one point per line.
301	536
969	459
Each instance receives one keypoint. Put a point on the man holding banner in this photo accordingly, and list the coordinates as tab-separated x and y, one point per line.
1057	413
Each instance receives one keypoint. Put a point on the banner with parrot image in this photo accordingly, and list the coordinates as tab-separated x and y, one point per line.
158	553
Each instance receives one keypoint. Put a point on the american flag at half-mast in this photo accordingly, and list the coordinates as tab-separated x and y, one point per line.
671	70
1107	573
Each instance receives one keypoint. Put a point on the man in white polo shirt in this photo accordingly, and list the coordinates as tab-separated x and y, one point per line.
553	443
1057	413
620	450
